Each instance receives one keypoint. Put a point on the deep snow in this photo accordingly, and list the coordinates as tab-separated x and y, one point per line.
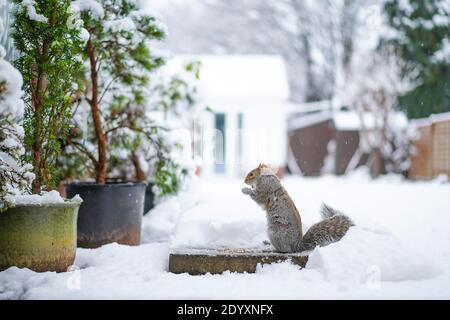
400	247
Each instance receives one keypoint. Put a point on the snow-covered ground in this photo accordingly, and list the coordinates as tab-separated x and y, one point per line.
400	247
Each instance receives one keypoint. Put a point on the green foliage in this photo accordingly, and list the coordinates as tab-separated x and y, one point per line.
422	28
131	95
48	62
15	176
120	36
120	39
178	95
168	177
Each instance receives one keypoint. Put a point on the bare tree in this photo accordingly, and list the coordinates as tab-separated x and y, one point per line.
376	83
315	37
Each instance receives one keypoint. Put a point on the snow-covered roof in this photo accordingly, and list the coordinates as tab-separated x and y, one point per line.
348	121
308	120
438	117
240	77
345	120
445	116
323	105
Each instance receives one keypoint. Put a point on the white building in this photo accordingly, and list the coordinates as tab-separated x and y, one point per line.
249	97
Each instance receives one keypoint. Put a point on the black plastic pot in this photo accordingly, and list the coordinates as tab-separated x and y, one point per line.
109	213
149	198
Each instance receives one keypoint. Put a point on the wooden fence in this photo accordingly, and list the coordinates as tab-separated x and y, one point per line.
432	148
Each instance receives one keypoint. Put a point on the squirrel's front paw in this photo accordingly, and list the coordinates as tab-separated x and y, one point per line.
246	190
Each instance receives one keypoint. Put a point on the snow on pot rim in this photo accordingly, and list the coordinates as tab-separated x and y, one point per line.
108	184
48	199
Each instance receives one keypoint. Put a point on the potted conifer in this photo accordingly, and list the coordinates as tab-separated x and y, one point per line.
37	231
119	59
155	153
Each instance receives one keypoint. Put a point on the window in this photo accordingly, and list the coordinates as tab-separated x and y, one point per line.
219	143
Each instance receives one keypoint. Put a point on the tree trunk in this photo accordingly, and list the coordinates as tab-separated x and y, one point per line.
376	163
37	146
102	166
139	173
311	93
37	105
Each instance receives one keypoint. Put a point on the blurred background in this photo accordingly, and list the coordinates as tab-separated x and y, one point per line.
313	87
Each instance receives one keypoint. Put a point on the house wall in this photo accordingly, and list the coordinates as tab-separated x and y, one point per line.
309	146
262	139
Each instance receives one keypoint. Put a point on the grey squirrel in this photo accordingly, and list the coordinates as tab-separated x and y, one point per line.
284	222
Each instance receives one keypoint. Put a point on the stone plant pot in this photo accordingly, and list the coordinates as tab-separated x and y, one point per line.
109	213
39	237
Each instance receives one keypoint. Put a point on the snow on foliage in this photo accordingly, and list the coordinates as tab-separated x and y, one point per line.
15	177
443	54
91	6
165	157
418	31
136	103
30	6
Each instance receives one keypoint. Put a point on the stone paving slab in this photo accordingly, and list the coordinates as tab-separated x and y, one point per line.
216	261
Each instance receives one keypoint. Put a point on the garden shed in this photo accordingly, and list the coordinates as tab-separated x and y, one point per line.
326	141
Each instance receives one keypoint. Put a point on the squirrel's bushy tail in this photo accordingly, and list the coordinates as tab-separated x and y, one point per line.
328	212
332	228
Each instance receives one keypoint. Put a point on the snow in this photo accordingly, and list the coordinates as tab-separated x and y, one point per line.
35	199
31	10
92	6
346	120
84	35
14	176
438	117
351	120
118	25
329	163
308	120
240	77
443	54
11	99
399	248
158	225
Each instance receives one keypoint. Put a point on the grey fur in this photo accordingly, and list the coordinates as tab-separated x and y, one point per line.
284	222
327	231
328	212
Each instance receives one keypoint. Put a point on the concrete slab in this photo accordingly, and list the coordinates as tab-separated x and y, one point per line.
216	261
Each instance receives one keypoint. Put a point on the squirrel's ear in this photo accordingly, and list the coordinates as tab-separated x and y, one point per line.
261	165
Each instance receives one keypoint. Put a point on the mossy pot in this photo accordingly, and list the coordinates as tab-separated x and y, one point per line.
41	237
